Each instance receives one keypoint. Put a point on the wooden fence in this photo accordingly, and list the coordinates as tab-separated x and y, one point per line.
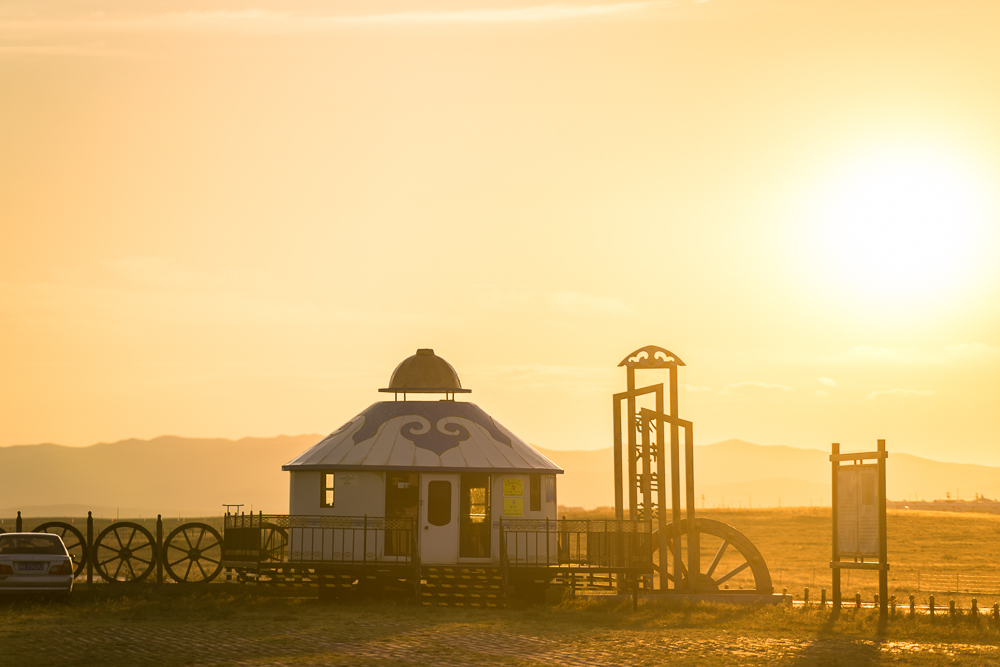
128	551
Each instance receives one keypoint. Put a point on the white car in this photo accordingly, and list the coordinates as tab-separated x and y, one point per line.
34	563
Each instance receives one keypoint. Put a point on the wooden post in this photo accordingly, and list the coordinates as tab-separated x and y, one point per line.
18	524
836	551
503	560
883	539
694	541
619	495
913	605
415	557
633	492
159	549
661	494
548	556
88	551
675	480
930	605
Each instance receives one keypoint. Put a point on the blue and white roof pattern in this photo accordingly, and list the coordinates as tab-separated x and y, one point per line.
423	435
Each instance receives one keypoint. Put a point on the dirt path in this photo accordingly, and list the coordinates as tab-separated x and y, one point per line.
146	643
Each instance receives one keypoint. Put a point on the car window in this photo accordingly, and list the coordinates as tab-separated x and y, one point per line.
45	545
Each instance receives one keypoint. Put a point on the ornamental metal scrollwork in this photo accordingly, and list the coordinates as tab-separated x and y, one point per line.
652	356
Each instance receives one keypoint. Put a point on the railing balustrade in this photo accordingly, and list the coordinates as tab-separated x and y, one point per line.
583	543
283	538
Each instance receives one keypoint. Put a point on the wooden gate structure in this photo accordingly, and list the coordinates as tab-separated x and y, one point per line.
651	435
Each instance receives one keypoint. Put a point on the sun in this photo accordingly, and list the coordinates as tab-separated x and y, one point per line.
901	224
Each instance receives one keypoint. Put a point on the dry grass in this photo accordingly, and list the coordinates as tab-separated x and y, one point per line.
941	546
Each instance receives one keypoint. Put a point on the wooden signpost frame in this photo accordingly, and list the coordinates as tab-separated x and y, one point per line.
882	566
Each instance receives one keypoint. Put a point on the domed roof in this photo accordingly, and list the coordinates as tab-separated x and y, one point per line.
425	373
433	436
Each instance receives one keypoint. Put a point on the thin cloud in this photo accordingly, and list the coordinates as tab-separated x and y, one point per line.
268	21
898	393
541	13
563	302
829	382
891	354
576	303
694	389
547	376
752	385
973	350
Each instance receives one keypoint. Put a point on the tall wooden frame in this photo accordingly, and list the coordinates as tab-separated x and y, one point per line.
857	561
647	463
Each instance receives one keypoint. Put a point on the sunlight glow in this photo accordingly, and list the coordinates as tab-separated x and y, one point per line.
902	224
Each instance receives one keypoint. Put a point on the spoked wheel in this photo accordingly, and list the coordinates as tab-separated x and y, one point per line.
72	538
729	560
192	552
124	552
273	542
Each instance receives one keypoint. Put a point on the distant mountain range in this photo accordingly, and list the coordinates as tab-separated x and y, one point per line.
184	477
735	473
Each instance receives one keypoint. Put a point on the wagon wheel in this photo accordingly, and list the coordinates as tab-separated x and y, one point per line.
72	538
195	550
732	559
124	549
273	541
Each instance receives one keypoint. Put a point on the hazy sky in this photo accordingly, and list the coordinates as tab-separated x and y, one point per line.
235	218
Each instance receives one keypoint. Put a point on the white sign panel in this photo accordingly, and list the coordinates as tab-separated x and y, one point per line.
857	511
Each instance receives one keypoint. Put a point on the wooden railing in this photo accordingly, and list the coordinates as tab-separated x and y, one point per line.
283	538
584	543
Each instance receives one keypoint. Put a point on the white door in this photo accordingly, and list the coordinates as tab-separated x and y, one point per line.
439	518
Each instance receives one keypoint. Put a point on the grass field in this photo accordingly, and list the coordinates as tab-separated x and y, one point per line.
221	624
956	555
229	625
951	555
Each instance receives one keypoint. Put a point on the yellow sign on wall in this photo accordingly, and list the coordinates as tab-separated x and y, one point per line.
513	487
513	507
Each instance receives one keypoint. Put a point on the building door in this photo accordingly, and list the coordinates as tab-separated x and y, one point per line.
439	511
402	493
475	525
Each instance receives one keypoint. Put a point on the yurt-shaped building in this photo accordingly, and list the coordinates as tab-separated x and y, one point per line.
446	467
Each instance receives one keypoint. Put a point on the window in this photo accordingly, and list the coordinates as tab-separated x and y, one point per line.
439	503
536	493
326	497
43	545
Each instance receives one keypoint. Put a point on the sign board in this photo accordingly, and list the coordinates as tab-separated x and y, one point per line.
513	507
857	511
859	524
513	487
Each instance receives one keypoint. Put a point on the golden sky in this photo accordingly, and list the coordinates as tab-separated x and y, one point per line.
235	218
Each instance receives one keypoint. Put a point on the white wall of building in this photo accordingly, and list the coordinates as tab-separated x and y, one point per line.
355	493
529	548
